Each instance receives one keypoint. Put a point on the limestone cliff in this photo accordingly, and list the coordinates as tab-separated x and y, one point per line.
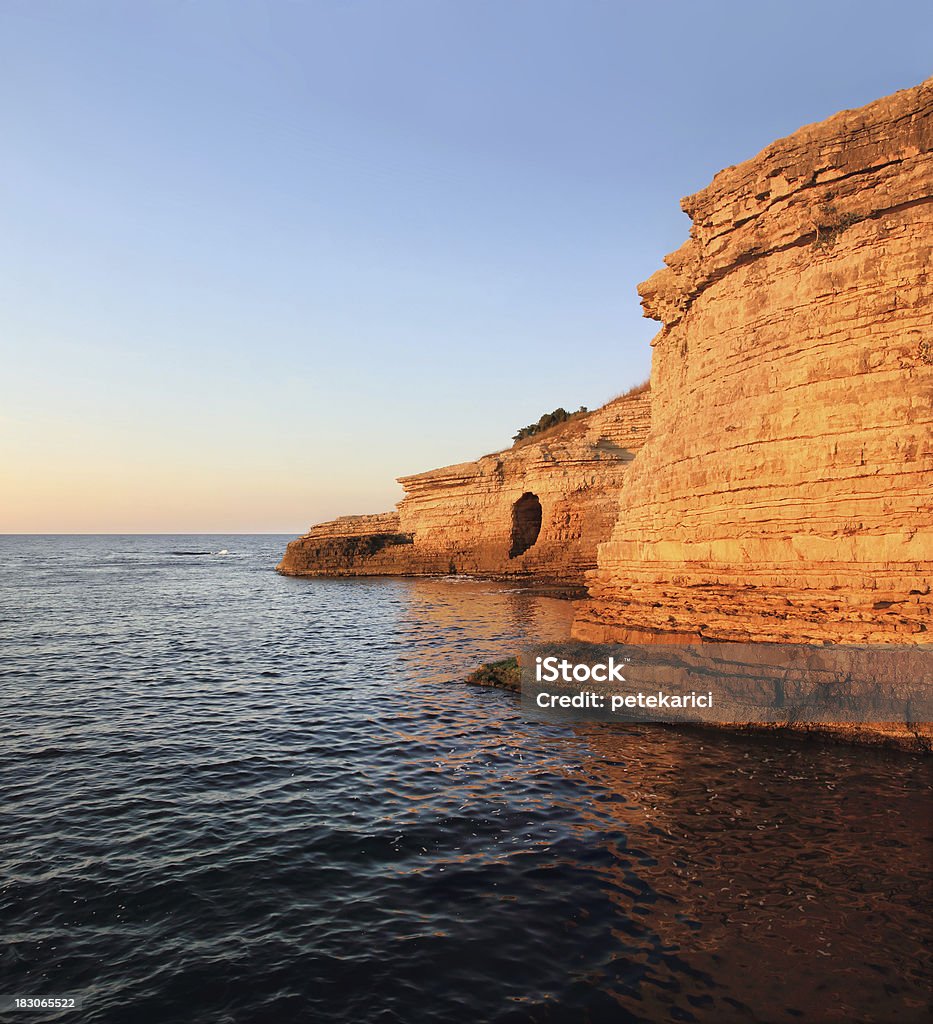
786	488
536	510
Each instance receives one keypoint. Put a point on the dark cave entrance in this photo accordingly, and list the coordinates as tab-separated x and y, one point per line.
526	523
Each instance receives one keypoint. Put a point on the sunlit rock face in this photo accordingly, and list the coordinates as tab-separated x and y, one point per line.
786	488
537	510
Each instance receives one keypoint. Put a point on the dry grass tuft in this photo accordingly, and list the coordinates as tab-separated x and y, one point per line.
636	389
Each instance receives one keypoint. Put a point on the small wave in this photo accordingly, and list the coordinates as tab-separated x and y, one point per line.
191	552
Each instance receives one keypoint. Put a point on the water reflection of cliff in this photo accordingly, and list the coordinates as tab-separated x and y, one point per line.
747	864
645	872
446	627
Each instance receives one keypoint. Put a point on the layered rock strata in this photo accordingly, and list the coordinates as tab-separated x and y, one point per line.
537	510
786	489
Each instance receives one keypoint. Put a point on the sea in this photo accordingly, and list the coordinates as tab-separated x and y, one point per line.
232	796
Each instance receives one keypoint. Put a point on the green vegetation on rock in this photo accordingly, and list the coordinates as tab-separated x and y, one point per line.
504	674
548	420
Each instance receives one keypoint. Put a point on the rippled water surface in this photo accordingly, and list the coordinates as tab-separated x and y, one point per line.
231	796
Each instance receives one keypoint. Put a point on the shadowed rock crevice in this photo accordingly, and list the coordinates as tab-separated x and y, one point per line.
526	524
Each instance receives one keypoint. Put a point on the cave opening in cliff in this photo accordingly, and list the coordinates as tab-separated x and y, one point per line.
526	523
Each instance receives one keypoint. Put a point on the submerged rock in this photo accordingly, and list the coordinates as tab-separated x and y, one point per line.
505	675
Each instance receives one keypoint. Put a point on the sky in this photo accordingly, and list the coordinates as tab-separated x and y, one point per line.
258	259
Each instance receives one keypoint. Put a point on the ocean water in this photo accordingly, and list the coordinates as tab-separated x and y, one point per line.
228	796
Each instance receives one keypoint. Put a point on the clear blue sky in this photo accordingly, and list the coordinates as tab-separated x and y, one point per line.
258	259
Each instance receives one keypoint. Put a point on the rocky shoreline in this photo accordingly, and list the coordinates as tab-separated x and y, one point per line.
535	512
914	739
773	483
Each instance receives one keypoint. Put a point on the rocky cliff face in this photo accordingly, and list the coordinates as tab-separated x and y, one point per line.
786	489
536	510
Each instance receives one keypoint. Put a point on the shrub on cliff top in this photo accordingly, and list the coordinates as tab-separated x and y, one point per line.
548	420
